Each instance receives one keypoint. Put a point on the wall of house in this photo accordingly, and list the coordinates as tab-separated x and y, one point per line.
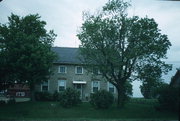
71	76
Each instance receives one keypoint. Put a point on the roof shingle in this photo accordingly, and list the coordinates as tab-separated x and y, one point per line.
67	55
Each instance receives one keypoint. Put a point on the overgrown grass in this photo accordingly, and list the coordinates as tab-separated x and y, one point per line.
53	111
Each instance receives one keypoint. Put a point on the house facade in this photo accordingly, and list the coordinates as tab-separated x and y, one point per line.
69	71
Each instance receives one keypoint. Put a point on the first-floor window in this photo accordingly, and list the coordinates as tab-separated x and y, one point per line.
61	85
44	86
111	88
95	86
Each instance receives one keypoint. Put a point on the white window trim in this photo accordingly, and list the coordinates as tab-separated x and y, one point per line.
62	72
42	86
76	70
108	85
64	84
92	86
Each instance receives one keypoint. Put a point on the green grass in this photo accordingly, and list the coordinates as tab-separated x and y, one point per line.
53	111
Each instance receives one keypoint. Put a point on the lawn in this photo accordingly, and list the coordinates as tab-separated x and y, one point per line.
53	111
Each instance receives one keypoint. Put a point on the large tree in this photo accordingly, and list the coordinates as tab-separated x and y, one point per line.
121	46
25	50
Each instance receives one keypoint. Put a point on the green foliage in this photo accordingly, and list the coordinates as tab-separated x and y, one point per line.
149	89
101	99
158	88
56	96
69	98
43	96
150	75
121	46
168	98
25	50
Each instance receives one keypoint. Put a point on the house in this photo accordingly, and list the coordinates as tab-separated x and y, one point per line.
175	81
69	71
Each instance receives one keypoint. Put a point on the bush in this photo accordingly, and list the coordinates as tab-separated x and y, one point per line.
101	99
43	96
69	98
168	99
56	96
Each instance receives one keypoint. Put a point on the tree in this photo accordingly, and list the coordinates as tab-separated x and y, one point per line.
121	46
151	78
25	50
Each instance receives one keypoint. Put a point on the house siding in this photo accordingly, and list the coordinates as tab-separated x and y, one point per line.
71	76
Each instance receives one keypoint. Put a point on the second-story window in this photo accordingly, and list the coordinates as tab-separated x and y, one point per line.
79	70
62	69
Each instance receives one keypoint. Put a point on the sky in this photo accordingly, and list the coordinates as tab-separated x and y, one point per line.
65	18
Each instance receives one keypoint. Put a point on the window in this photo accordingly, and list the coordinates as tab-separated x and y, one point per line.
61	85
95	86
44	86
79	70
111	88
62	69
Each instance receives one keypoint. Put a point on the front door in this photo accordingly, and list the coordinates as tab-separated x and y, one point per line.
78	87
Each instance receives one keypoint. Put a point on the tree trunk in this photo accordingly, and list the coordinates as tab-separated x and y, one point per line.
121	96
119	100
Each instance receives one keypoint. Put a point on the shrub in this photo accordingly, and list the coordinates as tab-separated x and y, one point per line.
69	98
168	99
43	96
56	96
101	99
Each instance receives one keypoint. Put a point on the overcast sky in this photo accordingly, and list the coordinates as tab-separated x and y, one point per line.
65	17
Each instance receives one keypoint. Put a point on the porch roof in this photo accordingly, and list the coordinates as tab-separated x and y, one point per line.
79	82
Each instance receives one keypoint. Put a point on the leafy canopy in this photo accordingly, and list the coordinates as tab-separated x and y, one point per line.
25	50
121	46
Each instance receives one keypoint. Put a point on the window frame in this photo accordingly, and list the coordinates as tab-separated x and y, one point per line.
59	81
42	84
109	86
92	86
65	69
76	71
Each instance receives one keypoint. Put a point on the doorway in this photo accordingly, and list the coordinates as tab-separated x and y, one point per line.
79	88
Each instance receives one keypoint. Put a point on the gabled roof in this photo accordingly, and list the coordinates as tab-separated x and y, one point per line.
67	55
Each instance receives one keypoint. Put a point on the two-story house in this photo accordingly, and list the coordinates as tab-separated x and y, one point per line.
69	71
